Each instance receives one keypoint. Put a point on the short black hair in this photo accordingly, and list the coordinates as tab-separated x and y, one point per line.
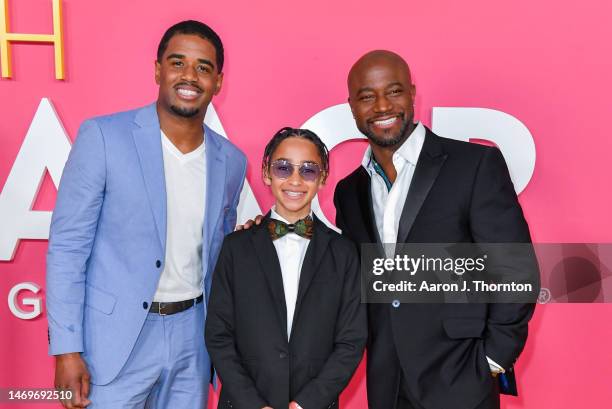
196	28
288	132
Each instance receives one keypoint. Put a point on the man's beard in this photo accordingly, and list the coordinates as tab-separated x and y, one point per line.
185	112
393	140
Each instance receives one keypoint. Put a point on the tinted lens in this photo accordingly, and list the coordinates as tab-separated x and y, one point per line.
309	171
281	169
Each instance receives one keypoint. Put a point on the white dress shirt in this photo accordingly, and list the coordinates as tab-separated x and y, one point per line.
291	250
185	175
388	204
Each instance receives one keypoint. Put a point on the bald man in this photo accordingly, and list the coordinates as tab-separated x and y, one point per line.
416	187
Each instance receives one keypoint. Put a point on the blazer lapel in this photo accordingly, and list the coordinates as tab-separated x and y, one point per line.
147	139
312	260
364	196
427	169
268	261
215	190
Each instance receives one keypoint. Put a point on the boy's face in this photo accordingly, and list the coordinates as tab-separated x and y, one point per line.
294	194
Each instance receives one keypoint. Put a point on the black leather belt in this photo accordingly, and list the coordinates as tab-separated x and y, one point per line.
169	308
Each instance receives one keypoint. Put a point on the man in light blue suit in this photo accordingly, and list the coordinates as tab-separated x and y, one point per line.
145	200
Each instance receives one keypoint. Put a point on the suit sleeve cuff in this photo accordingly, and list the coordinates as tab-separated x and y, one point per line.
65	343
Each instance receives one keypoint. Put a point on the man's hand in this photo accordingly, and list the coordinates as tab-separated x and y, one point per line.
248	224
294	405
71	374
267	407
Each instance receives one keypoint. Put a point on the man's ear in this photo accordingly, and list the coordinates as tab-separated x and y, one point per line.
157	71
219	83
348	99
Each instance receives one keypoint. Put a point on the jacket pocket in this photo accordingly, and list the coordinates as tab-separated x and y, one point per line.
459	328
99	300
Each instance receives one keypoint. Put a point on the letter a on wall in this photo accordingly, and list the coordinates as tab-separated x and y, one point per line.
45	147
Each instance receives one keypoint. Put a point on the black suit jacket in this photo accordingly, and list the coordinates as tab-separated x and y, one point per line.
246	326
460	192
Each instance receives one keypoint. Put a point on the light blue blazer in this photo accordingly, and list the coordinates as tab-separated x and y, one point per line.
108	234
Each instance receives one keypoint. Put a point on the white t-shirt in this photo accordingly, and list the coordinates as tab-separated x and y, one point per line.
185	176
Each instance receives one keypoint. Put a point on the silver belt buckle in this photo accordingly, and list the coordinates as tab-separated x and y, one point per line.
159	310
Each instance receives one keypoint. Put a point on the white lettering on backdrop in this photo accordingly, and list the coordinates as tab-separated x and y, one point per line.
335	125
46	147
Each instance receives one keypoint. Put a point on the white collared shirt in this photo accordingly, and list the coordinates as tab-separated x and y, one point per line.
388	204
291	250
185	175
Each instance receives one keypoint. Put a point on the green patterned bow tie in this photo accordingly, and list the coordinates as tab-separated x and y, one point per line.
303	227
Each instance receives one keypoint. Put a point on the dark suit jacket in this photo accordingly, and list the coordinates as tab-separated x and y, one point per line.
246	327
460	192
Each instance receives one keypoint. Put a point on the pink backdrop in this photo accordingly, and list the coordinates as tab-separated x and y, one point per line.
548	63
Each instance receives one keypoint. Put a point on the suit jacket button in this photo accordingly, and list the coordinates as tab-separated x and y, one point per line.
158	264
282	355
395	303
145	305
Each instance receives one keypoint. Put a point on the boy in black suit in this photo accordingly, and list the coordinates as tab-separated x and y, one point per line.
285	325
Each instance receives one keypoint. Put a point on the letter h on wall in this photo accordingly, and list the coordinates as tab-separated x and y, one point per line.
55	39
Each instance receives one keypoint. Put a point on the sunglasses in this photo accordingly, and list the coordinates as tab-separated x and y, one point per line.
283	169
